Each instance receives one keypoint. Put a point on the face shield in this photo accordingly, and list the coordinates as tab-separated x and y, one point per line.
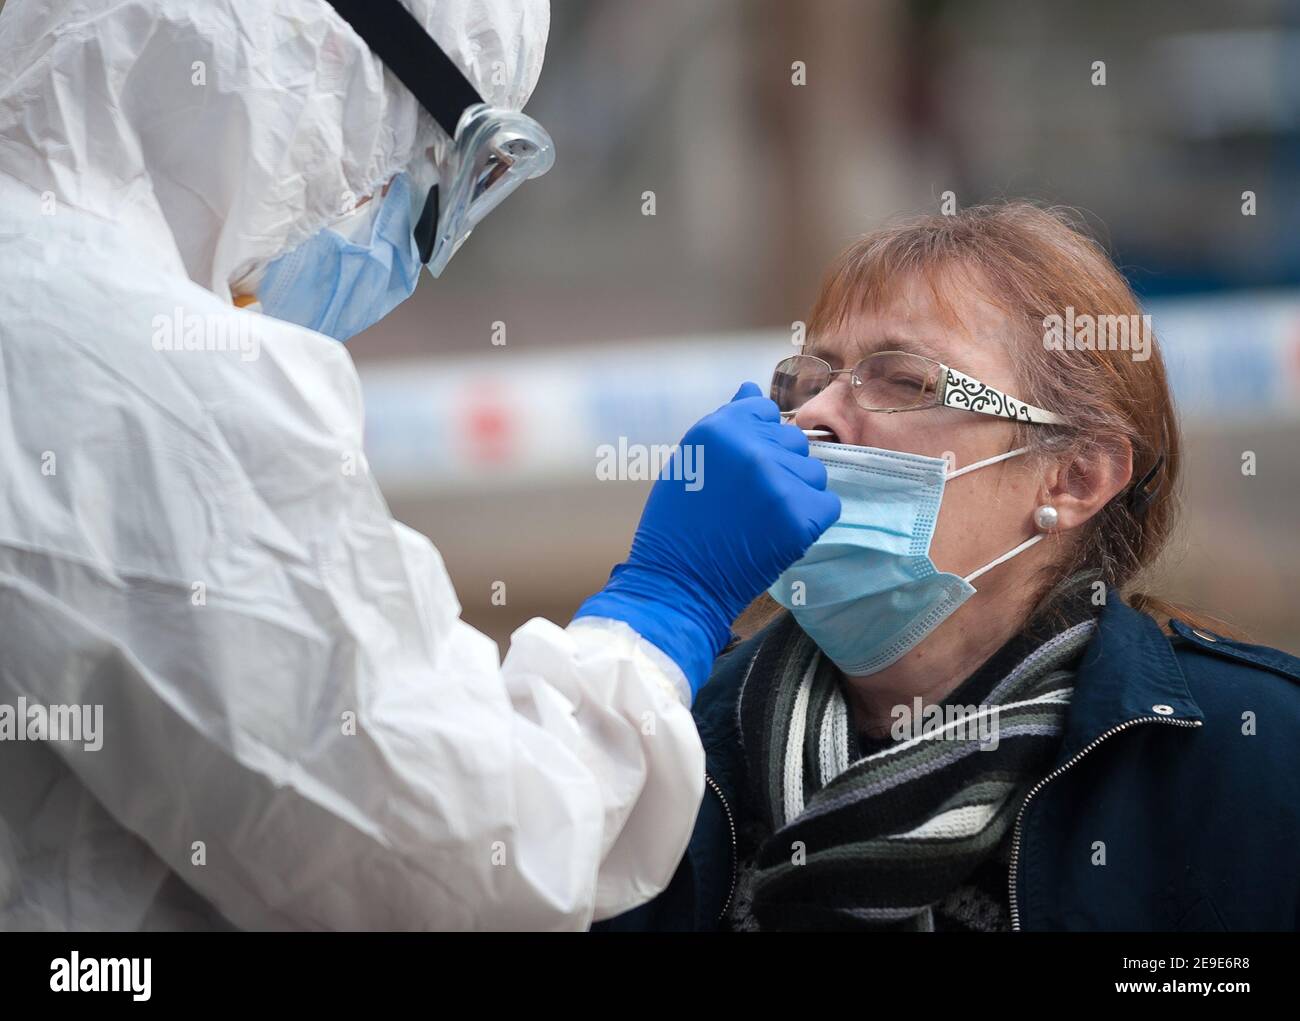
493	150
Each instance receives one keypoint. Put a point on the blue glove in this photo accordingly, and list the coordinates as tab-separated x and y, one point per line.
707	548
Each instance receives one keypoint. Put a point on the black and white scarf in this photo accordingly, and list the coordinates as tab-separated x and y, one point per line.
875	841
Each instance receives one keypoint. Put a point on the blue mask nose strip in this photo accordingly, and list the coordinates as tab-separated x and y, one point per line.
339	282
867	591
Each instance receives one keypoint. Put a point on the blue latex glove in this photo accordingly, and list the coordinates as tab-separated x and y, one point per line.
701	555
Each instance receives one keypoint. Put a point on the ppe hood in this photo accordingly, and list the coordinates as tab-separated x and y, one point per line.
224	133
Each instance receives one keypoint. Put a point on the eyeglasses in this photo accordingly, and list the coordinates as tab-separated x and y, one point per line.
892	381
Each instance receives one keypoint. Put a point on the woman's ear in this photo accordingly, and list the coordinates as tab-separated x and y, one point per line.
1082	484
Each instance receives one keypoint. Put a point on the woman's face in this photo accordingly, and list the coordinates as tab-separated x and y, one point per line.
986	512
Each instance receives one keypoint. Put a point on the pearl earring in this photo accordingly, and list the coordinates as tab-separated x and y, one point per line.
1045	517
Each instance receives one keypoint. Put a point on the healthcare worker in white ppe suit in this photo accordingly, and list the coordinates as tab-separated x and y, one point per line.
297	729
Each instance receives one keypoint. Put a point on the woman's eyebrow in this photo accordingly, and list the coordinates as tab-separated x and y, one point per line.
820	349
893	342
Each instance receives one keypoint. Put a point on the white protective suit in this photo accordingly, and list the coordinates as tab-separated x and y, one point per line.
298	731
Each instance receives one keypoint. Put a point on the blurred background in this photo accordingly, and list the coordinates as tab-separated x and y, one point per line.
573	318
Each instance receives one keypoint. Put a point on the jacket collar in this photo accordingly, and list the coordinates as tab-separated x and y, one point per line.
1128	672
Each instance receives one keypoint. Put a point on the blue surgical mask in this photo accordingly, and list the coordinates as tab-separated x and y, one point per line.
867	591
349	275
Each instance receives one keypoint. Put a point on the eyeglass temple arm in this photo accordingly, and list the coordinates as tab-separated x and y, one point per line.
958	390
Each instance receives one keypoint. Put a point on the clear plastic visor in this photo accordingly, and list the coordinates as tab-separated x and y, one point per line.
494	152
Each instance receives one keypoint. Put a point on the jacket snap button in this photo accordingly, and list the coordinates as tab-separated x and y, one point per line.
1163	710
1204	634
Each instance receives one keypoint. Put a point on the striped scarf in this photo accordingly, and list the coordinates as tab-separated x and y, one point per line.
875	841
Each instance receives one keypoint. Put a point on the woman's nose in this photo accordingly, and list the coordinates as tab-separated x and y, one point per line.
831	410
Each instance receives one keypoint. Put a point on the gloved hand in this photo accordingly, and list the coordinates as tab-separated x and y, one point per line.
702	554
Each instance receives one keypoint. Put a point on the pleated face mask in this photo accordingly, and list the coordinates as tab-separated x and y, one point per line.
349	275
867	591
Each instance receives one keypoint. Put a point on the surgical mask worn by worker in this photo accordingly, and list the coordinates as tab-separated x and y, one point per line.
867	591
349	276
355	271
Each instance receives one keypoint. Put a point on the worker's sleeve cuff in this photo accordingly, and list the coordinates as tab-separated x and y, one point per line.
642	651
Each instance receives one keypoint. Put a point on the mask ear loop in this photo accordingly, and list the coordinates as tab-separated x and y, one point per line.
1010	553
986	462
1139	500
1004	558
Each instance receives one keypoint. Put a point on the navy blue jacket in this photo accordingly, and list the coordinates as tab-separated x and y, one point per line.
1200	819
